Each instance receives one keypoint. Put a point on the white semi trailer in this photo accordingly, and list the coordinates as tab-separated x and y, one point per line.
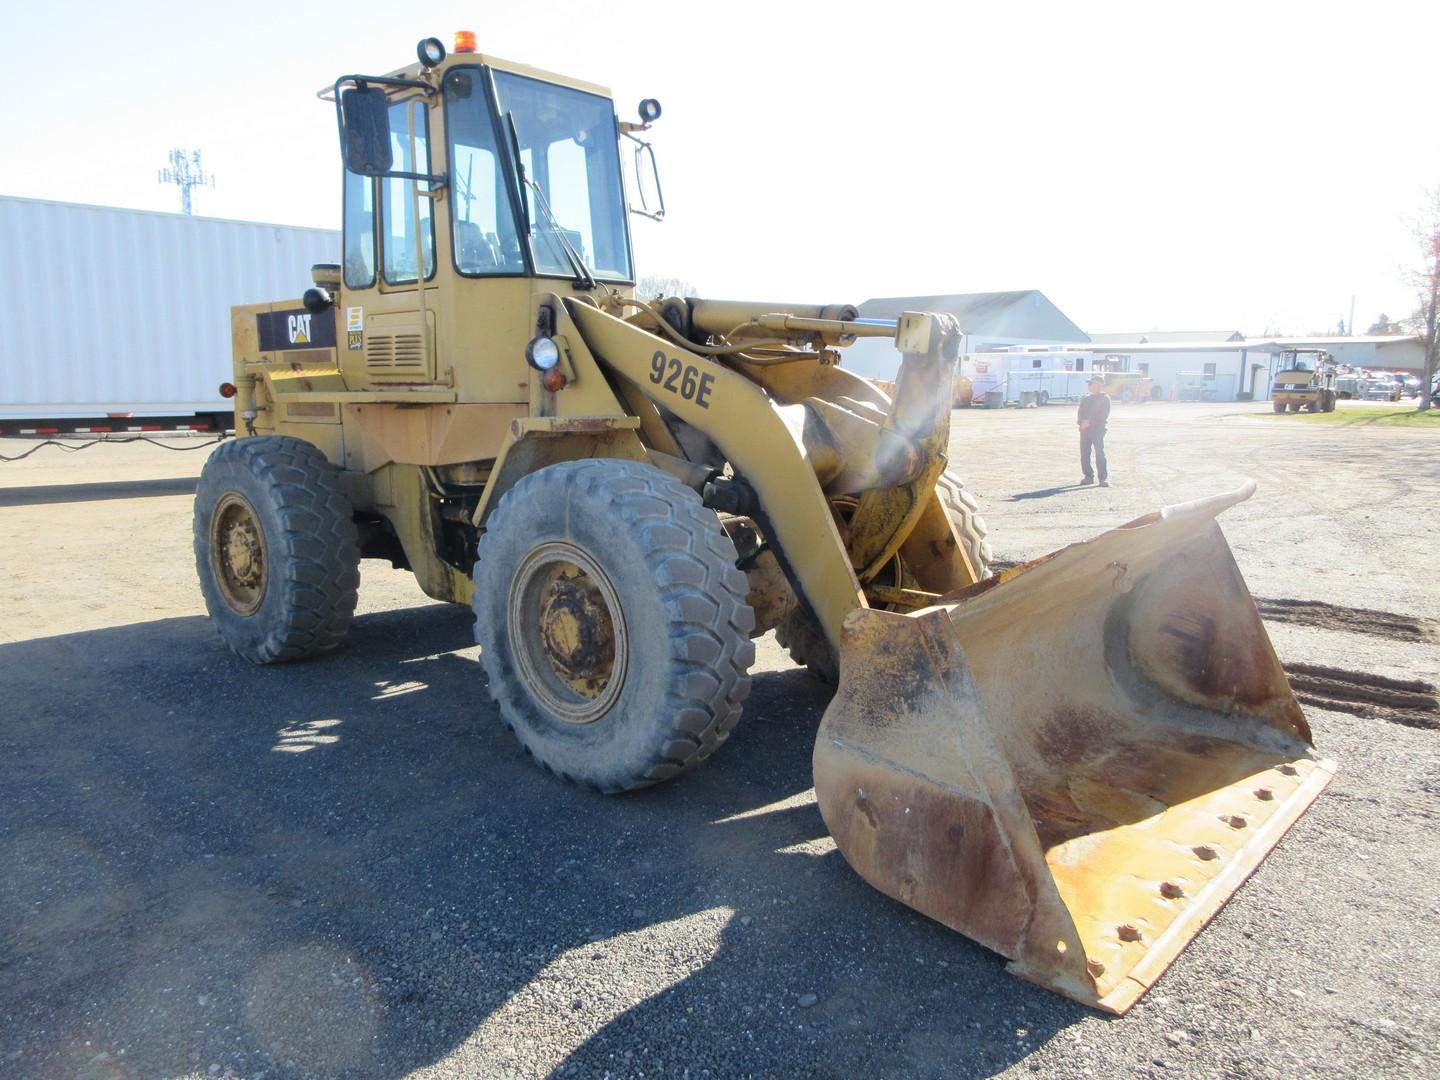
115	320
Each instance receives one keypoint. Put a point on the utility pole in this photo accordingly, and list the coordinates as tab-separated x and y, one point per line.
1352	315
186	173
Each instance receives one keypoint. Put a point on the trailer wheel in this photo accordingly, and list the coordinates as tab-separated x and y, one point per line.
612	622
801	636
275	548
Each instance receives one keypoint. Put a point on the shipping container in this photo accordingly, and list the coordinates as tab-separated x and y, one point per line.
106	312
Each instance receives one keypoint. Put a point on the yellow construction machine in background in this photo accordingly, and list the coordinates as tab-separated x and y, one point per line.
1074	762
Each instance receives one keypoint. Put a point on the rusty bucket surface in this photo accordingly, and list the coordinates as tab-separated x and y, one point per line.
1075	764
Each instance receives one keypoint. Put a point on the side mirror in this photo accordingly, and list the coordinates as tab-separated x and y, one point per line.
647	183
365	122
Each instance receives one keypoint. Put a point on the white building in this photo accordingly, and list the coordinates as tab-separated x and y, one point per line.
989	321
1238	370
1183	365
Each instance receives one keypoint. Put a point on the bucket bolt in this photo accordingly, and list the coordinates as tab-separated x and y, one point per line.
1128	933
1206	852
1171	891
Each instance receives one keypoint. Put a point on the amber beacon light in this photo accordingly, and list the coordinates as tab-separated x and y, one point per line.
465	41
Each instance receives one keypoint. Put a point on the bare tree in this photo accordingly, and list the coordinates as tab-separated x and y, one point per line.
1426	320
651	286
1385	326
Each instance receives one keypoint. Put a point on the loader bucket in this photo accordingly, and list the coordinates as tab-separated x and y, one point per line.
1075	764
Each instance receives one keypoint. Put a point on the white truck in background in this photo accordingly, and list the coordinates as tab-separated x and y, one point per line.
119	320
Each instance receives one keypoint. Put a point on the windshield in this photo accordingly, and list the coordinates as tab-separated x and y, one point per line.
567	147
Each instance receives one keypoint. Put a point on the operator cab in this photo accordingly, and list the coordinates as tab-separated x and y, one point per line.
506	180
530	171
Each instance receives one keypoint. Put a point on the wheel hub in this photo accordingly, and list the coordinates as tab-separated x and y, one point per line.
578	633
567	632
237	553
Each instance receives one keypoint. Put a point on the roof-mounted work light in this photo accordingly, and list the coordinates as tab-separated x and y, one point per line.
431	52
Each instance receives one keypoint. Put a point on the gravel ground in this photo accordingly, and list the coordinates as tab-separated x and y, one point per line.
346	867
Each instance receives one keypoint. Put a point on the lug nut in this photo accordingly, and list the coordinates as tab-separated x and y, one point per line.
1171	891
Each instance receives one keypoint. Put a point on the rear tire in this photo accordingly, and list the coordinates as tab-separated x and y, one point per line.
612	622
801	636
275	549
1279	406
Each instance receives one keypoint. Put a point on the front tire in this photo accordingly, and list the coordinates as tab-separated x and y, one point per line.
612	622
275	549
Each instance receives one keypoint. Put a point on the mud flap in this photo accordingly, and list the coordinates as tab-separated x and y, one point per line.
1077	763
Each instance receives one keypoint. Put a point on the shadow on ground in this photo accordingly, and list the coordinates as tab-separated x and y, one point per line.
348	867
1046	493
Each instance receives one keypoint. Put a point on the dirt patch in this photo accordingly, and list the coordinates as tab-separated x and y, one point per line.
1411	702
1317	613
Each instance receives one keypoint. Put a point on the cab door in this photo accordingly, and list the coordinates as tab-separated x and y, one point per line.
390	337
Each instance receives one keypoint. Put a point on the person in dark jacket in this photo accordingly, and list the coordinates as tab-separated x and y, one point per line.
1094	411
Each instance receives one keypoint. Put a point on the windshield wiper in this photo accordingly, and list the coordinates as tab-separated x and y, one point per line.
583	277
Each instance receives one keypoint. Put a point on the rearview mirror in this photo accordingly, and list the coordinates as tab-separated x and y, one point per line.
647	182
365	121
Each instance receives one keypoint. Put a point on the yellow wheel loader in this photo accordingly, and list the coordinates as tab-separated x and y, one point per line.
1075	762
1305	380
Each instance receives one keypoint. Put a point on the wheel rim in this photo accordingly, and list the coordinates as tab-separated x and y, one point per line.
238	554
567	632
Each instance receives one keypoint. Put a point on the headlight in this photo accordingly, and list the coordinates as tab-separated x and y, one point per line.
542	354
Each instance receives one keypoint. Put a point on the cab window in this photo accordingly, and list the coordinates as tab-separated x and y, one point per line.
397	216
485	239
359	231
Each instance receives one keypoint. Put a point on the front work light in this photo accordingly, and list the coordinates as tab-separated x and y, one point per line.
431	52
649	110
542	354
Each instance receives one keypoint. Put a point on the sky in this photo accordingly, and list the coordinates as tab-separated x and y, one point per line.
1244	166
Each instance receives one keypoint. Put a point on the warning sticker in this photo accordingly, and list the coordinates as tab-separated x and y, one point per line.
354	319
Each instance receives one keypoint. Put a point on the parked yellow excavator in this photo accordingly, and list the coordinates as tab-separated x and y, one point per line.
1075	761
